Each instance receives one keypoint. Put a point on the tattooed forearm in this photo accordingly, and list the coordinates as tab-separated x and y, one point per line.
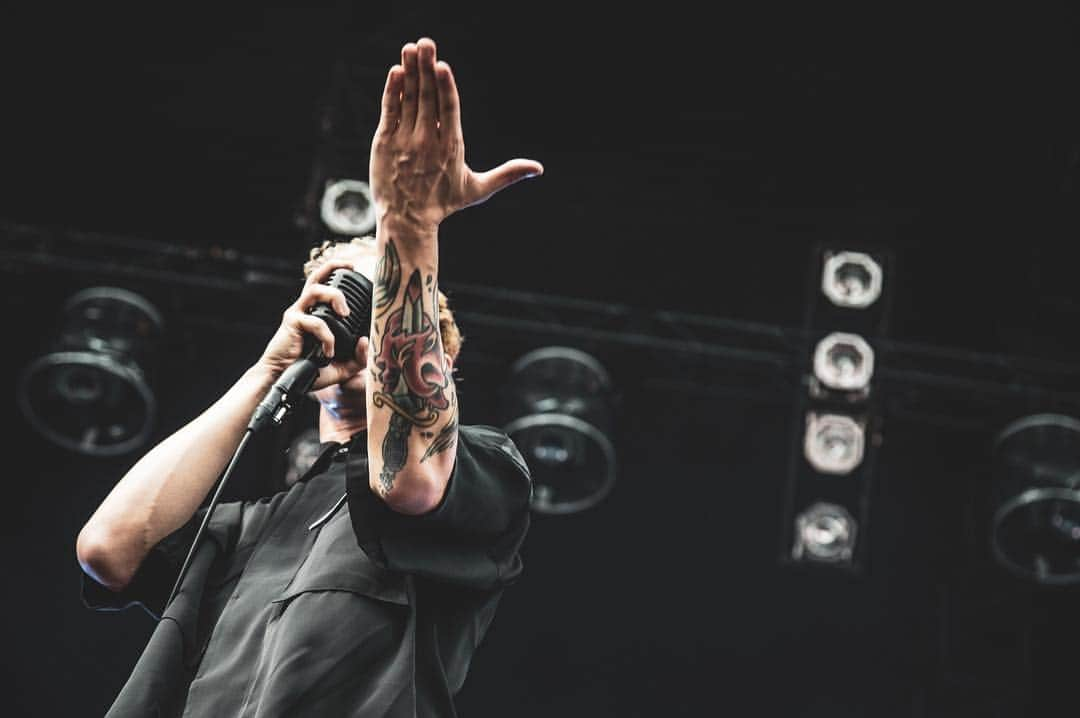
395	451
411	377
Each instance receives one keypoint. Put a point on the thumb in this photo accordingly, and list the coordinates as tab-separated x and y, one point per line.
488	183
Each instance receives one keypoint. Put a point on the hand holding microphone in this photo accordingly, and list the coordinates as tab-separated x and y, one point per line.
321	330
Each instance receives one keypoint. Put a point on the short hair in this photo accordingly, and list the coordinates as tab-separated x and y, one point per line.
452	338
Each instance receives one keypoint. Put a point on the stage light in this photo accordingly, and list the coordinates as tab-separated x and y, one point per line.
824	532
348	208
844	362
834	443
1035	522
90	391
560	403
851	279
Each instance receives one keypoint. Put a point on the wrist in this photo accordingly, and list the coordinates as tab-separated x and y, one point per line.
407	230
262	374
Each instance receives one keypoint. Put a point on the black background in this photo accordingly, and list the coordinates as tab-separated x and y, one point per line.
693	161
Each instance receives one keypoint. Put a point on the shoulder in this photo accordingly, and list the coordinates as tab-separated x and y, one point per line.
492	444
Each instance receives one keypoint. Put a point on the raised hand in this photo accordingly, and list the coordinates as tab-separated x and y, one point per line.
418	172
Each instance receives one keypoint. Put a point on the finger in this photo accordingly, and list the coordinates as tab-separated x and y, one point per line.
427	110
391	101
409	87
315	294
344	370
363	344
323	271
308	324
488	183
336	373
449	103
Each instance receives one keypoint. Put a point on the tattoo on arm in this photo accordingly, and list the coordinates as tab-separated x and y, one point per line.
443	441
387	279
409	366
395	450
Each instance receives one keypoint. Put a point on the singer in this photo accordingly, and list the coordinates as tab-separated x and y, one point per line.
363	589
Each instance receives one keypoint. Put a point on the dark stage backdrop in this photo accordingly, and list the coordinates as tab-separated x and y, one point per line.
666	599
693	163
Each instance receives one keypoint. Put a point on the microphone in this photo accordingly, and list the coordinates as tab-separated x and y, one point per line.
297	379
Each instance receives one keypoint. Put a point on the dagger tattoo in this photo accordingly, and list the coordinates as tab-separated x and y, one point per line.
408	357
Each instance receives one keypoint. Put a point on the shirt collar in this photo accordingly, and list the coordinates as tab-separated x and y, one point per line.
339	451
330	451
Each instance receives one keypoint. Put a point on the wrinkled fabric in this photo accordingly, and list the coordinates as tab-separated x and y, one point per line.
369	613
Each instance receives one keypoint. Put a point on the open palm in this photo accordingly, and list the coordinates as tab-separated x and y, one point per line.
418	172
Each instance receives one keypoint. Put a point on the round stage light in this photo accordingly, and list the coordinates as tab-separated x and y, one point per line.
851	279
844	362
90	391
824	532
834	443
560	401
1035	524
348	208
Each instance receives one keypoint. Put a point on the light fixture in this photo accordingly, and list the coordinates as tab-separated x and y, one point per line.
824	532
1035	521
837	428
90	390
348	208
834	443
851	279
560	406
844	362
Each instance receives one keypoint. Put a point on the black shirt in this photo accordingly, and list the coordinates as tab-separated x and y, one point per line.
323	601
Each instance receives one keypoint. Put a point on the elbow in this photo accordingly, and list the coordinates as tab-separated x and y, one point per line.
415	493
101	559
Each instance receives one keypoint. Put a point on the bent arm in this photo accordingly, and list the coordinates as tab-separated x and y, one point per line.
165	487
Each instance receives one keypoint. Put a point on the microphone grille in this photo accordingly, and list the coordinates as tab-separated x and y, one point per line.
357	290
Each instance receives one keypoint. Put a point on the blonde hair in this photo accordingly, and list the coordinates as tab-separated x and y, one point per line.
452	338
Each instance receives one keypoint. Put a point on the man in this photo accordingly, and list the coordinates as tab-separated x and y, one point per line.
364	588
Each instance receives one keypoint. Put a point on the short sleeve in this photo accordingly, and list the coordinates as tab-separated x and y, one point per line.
473	537
152	583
